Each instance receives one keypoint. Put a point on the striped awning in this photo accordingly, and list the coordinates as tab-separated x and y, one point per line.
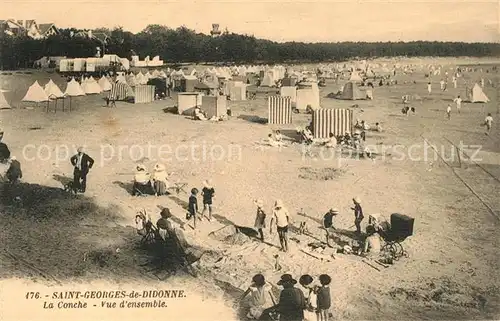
336	121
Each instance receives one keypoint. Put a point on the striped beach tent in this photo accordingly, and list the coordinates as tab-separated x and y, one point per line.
144	94
120	91
336	121
280	110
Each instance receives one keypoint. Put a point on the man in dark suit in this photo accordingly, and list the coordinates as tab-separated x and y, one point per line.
82	163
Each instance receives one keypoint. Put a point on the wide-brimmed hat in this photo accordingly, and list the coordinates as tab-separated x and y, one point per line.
357	200
159	167
287	279
334	211
278	204
165	213
13	158
259	203
207	183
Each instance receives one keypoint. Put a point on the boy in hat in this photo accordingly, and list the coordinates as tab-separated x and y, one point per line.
281	216
324	301
292	301
260	219
193	206
328	224
358	214
208	193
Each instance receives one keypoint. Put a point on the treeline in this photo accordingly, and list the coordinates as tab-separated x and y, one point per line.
185	45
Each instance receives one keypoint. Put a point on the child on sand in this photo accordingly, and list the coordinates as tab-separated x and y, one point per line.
260	289
310	312
488	121
324	301
260	219
193	206
448	111
208	193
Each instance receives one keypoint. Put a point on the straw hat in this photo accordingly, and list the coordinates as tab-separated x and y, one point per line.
357	200
165	213
259	203
278	204
13	158
334	211
159	167
207	183
287	279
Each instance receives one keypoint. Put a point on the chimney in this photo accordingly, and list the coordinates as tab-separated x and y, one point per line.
90	33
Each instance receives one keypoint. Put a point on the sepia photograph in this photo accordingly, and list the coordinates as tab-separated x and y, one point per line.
223	160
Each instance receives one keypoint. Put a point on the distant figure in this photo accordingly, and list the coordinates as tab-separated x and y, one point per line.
14	173
260	219
328	224
332	141
429	88
442	84
448	111
454	79
208	193
378	128
358	214
160	180
488	122
82	164
193	206
458	101
282	219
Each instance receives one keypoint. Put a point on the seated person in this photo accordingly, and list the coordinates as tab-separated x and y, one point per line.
365	125
346	140
272	141
332	141
160	180
278	137
372	243
14	173
358	124
378	128
164	224
142	182
308	134
198	114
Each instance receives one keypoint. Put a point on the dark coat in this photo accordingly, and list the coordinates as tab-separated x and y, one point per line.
87	162
14	172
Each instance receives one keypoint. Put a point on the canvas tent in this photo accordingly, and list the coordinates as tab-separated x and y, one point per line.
105	84
90	86
4	104
477	95
36	93
52	90
355	77
74	89
351	92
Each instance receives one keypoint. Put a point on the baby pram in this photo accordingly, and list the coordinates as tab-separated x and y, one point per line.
393	234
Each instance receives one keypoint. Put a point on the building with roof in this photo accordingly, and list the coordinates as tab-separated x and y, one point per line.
29	28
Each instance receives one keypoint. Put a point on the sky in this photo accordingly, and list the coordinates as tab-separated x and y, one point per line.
280	20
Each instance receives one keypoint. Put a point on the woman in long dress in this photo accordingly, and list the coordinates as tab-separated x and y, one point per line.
160	179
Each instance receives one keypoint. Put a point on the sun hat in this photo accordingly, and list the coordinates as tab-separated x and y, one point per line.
278	204
13	158
357	200
165	213
259	203
80	149
287	279
207	183
334	211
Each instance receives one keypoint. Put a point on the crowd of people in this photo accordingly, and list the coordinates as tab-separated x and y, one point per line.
311	302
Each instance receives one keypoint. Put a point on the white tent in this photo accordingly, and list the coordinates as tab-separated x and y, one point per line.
74	89
355	76
52	90
132	80
105	84
36	93
478	95
91	86
4	104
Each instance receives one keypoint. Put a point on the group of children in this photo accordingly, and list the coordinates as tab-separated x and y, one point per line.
293	304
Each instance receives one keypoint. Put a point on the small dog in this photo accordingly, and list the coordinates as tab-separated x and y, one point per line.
71	188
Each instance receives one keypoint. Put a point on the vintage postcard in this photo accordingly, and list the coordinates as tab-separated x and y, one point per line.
249	160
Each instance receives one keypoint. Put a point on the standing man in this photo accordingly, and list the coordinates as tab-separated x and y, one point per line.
458	101
358	214
488	121
448	111
281	216
82	164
